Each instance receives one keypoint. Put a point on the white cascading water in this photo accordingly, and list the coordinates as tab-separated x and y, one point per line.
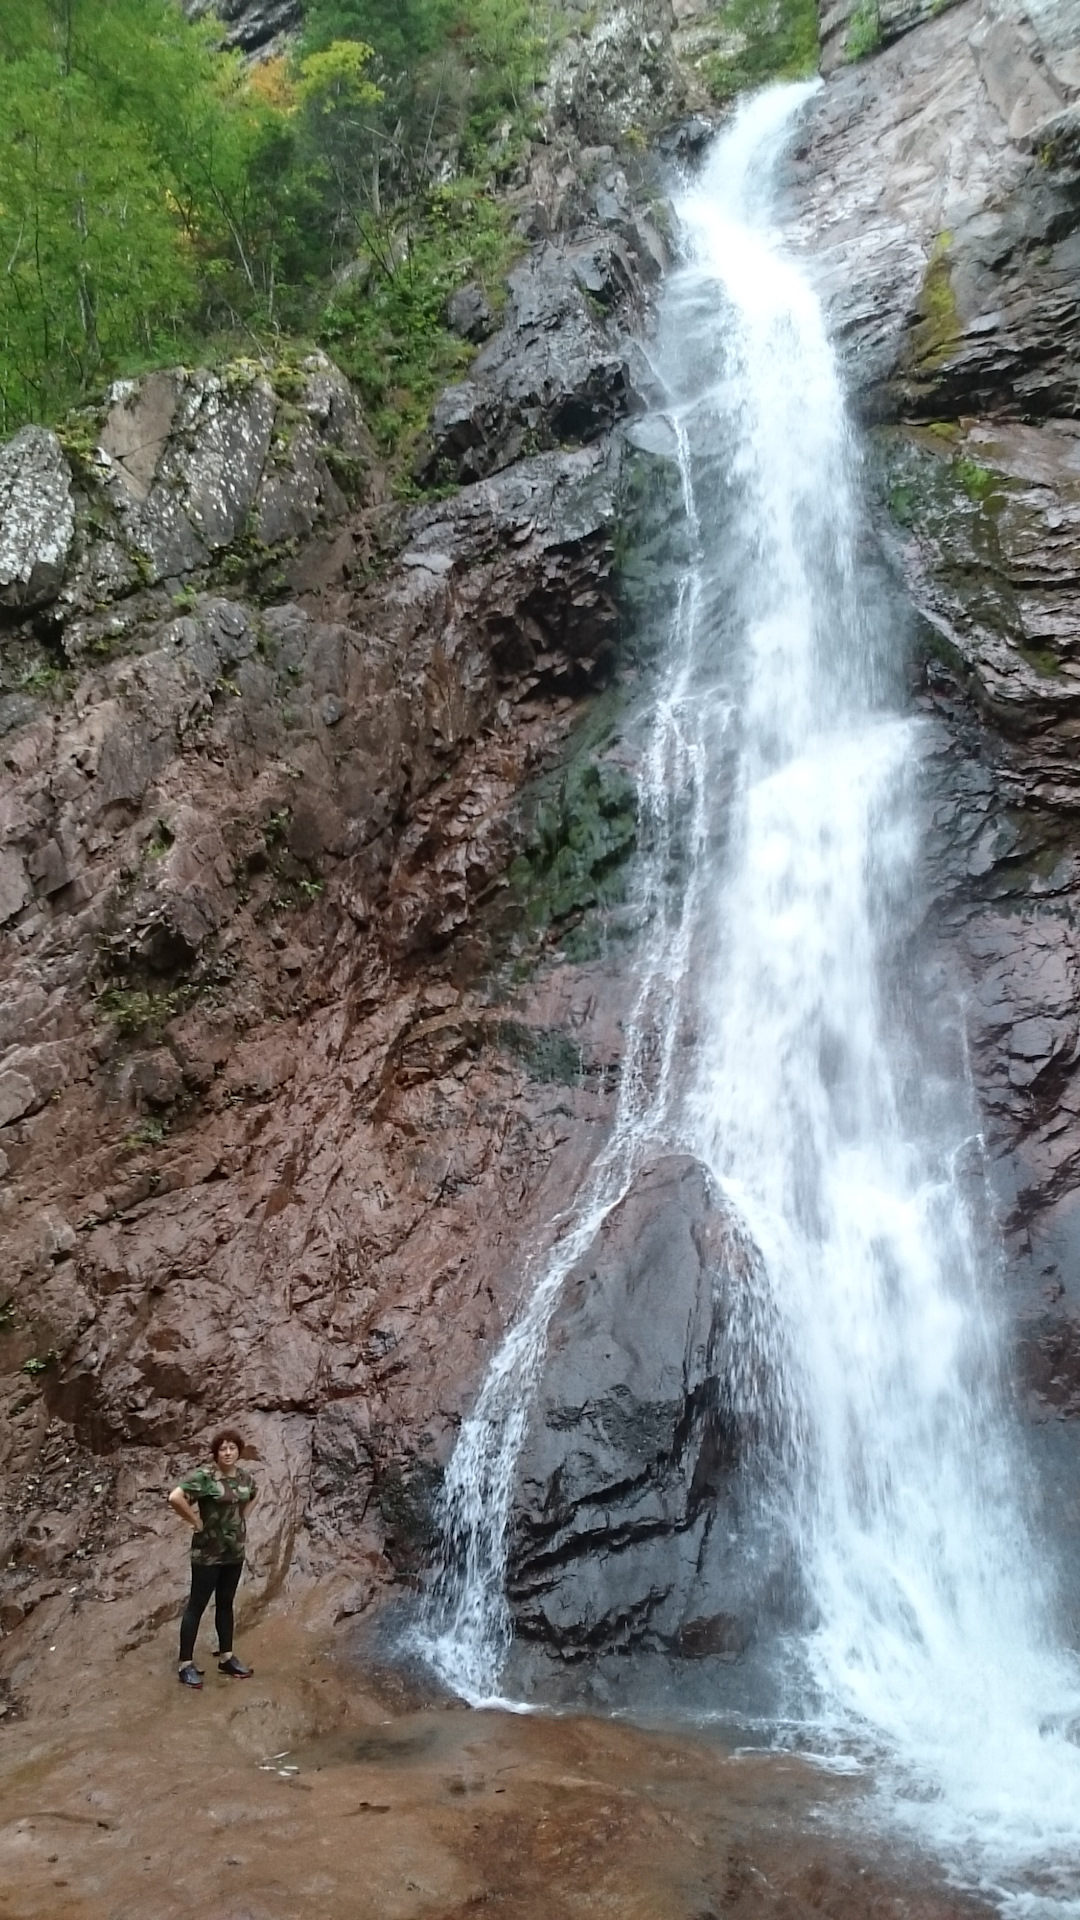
933	1630
932	1643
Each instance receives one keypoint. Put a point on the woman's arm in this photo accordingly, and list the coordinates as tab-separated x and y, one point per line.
180	1504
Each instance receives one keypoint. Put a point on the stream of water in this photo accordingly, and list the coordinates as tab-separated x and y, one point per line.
930	1640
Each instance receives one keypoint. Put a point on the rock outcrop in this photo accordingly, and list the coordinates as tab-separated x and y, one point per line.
554	374
938	195
37	519
254	26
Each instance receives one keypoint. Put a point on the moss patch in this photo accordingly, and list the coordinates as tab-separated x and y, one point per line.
1046	664
582	831
651	553
937	329
544	1052
863	36
979	483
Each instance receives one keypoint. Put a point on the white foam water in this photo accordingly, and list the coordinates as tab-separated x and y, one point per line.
902	1486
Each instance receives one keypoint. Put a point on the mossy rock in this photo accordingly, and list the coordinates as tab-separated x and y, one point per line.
583	830
937	329
651	552
953	505
546	1053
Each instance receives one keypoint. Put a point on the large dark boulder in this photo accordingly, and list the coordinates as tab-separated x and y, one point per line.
628	1483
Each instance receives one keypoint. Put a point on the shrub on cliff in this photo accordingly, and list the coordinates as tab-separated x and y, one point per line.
770	40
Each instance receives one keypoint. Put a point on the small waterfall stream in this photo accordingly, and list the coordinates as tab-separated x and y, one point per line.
929	1641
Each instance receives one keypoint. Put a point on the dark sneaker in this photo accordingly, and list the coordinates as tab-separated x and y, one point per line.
235	1668
189	1676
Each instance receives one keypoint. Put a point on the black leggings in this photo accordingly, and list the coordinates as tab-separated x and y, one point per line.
222	1582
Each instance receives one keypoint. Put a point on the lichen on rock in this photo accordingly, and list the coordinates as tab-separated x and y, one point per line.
37	519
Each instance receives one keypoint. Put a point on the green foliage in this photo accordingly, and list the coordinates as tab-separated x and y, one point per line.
134	1011
43	677
779	42
335	82
148	1133
404	33
389	335
158	197
124	169
160	841
864	31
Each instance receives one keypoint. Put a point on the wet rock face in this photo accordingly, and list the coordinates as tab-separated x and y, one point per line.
627	1480
940	192
555	371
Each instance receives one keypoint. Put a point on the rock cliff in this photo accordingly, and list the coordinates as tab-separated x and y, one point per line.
315	808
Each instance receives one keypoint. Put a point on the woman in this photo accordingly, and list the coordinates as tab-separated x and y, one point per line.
214	1501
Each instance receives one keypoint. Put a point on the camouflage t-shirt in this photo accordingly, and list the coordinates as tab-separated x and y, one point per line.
222	1505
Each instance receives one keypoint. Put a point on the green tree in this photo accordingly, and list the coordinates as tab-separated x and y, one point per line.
129	191
93	260
403	32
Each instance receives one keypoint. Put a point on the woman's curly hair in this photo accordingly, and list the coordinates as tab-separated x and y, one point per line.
219	1439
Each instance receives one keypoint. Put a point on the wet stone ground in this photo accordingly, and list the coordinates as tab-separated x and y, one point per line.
319	1791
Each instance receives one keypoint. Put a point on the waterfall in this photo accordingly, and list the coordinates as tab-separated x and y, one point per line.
843	1143
809	1098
